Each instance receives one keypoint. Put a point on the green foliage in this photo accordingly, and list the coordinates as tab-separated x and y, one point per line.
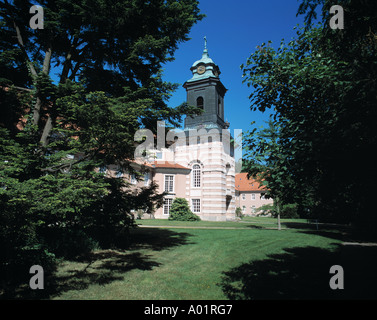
267	209
108	57
287	211
290	211
239	212
317	150
180	211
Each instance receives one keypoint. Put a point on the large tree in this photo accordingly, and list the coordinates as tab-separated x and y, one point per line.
73	95
322	85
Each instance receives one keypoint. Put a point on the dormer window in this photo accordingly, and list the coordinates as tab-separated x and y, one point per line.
200	102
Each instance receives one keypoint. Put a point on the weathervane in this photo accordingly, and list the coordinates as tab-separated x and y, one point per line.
205	42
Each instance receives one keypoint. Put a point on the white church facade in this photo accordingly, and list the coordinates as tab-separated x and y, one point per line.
199	166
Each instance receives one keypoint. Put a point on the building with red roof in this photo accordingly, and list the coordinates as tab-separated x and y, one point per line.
250	194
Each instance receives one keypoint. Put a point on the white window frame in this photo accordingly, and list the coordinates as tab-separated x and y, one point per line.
133	179
195	205
196	183
172	182
253	196
167	206
243	196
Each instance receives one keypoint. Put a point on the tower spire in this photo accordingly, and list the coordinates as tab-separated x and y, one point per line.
205	52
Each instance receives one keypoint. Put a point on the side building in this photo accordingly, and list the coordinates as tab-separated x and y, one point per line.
249	195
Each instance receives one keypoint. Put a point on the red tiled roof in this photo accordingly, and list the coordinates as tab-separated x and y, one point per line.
167	164
244	184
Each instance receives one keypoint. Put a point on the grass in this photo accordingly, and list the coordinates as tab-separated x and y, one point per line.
246	222
246	262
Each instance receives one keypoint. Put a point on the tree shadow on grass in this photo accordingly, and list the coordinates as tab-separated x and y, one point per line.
253	226
341	232
102	267
303	274
157	239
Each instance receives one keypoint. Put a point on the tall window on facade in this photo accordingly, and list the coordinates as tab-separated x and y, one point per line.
196	205
167	206
219	107
169	183
200	102
196	173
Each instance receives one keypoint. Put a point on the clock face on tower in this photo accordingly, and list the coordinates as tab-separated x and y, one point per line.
201	69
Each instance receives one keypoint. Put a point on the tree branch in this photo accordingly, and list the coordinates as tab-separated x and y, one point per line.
68	61
22	47
45	70
62	166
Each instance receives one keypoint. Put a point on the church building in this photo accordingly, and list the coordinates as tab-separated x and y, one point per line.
200	165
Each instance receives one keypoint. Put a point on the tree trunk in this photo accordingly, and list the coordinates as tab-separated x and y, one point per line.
278	212
279	225
46	131
45	70
67	65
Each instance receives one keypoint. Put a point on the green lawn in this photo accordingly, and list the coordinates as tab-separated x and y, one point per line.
247	262
246	222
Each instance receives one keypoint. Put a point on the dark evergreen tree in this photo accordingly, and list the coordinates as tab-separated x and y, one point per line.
73	94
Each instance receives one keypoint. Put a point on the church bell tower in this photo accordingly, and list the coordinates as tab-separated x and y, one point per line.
206	147
205	90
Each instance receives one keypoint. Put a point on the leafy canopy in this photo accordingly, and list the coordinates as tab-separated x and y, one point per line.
318	148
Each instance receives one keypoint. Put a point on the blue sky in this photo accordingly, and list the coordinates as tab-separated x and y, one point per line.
233	30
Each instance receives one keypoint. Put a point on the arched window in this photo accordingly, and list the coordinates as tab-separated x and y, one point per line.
196	176
200	102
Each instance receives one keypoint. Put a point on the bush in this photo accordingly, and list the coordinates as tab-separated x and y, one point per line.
289	211
239	213
266	209
68	242
180	211
21	248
